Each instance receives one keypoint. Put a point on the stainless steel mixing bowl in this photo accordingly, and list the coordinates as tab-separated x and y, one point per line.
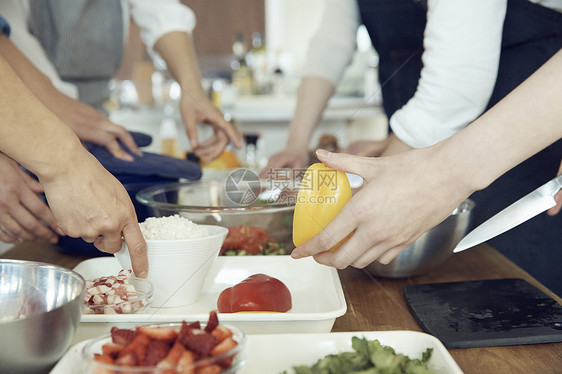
40	308
430	250
208	202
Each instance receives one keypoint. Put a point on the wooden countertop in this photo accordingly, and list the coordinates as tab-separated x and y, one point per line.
379	304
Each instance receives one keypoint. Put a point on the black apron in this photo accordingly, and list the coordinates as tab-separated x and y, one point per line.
83	40
531	35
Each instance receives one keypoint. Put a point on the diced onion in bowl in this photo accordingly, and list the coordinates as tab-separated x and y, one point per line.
118	294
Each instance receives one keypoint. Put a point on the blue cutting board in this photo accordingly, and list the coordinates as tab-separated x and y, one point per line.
486	313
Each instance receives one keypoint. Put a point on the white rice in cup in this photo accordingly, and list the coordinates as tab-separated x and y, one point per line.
171	228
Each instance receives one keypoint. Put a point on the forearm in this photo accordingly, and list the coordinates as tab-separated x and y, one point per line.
36	81
29	132
330	52
524	122
177	49
313	96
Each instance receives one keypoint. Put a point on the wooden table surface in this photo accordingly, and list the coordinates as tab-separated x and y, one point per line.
379	304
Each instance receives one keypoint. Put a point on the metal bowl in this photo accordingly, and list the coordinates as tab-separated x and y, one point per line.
211	202
40	310
430	250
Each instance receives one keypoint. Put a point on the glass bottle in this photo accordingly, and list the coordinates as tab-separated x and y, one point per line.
258	63
242	76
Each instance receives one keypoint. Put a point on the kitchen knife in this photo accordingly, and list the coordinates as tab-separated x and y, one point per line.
520	211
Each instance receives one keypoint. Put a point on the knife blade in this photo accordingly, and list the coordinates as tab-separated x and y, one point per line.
520	211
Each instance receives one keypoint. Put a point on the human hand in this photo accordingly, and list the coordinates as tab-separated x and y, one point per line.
92	126
199	109
90	203
558	197
177	49
288	158
366	148
376	148
395	206
23	215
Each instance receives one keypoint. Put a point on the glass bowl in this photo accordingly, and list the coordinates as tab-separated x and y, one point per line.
265	204
234	356
144	290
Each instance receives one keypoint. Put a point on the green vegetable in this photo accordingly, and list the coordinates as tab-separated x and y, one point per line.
268	249
369	357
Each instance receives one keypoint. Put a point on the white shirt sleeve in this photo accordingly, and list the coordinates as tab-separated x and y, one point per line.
462	45
156	18
333	44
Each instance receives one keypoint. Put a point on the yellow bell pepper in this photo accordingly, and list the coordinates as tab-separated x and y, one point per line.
323	192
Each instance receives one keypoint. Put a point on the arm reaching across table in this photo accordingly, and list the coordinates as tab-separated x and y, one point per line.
398	202
86	200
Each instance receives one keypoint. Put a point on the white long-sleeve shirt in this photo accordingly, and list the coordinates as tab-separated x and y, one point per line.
156	18
462	44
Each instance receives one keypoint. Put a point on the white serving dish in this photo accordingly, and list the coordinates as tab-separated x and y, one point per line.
305	349
316	291
273	353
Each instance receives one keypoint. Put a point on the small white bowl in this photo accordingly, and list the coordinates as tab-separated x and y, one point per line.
177	268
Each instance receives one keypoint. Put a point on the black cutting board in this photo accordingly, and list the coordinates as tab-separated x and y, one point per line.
486	313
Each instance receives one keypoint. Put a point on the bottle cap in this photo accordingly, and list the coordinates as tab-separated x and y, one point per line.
251	138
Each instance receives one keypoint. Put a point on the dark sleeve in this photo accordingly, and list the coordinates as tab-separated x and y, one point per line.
4	26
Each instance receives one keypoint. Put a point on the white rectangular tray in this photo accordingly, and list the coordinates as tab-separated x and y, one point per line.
273	353
316	292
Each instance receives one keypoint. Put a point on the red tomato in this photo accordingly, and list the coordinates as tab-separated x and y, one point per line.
257	293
